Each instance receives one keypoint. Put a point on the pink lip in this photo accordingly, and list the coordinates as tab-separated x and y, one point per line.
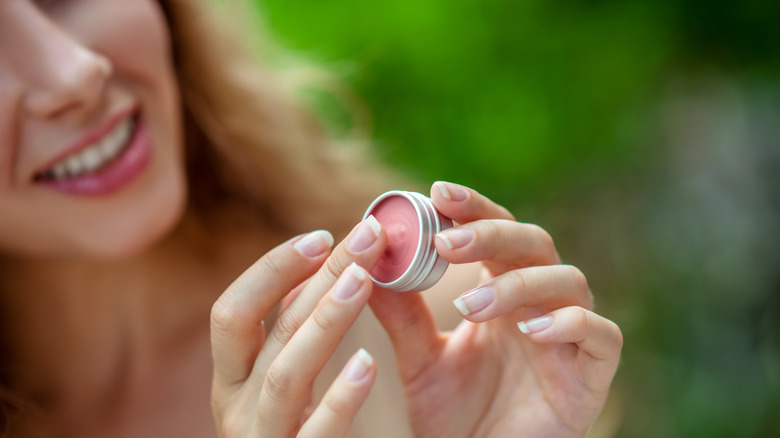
90	137
117	174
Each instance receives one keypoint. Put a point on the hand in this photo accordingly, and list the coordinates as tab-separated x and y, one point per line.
262	384
548	376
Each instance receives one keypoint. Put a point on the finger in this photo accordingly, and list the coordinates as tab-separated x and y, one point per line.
287	384
236	317
341	403
501	241
411	327
364	246
464	205
599	340
544	287
289	298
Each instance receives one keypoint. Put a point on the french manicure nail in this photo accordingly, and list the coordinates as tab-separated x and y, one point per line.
365	236
456	238
315	243
450	191
358	366
475	300
535	325
349	283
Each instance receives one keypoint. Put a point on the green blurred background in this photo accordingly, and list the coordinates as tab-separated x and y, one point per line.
644	135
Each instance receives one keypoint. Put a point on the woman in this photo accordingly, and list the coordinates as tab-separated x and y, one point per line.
147	161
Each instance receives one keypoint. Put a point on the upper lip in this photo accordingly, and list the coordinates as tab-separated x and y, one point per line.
89	137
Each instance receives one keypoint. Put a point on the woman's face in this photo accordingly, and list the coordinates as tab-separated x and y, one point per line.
90	137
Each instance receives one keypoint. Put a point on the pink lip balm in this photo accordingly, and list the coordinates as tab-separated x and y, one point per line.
410	261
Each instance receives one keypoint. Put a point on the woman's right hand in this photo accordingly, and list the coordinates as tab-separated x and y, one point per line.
263	376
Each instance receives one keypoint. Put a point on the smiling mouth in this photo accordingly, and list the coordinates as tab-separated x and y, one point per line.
93	158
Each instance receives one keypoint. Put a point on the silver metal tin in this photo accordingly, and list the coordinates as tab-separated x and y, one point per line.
427	267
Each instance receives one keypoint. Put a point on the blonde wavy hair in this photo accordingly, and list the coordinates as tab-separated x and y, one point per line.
248	139
249	143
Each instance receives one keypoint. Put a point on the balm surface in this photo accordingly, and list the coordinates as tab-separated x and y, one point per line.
410	262
399	219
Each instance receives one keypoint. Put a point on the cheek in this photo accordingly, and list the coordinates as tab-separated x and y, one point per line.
8	131
132	34
138	46
16	225
28	225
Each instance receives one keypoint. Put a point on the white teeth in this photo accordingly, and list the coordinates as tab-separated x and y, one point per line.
91	159
59	172
96	156
73	165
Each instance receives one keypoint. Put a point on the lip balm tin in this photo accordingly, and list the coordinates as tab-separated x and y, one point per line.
410	261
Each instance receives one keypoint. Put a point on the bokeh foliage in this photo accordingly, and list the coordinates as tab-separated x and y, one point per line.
642	134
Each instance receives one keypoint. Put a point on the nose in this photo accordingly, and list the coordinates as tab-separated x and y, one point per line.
59	73
71	78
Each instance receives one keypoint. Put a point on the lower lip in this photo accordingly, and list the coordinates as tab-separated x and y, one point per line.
117	174
410	261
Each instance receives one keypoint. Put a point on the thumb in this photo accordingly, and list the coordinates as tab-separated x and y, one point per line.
412	329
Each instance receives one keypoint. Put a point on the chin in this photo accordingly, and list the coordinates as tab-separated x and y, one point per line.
132	234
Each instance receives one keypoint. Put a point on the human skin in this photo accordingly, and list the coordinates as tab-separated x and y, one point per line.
486	378
68	72
102	286
549	375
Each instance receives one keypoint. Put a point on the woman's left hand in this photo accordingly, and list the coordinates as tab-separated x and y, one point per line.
549	375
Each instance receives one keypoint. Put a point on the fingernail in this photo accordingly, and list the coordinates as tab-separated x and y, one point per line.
358	366
456	238
365	236
535	325
315	243
475	300
450	191
349	283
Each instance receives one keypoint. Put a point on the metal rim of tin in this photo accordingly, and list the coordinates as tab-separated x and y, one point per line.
426	267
